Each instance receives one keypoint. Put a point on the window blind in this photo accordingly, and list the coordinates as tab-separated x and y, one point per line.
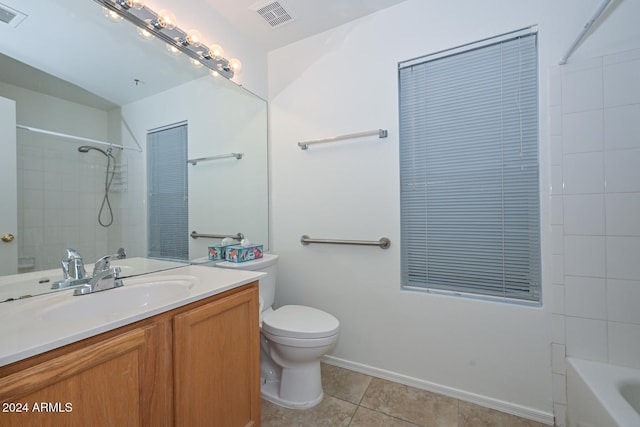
168	212
469	170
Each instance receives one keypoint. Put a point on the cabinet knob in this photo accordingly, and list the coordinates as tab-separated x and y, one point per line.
7	238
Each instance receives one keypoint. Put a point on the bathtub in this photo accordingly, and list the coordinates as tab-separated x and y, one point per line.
602	395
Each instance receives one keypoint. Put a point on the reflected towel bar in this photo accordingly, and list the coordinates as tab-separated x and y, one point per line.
383	243
194	162
195	235
382	133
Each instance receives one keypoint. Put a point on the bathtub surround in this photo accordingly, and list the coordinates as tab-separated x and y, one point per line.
495	355
595	199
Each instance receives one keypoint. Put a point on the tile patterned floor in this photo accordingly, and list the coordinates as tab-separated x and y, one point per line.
352	399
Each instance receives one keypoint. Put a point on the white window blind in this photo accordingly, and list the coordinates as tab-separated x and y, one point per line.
469	170
168	193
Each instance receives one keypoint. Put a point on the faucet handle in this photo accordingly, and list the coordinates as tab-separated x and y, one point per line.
121	254
73	254
102	264
73	267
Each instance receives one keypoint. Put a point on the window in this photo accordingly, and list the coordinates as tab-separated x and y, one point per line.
469	170
168	193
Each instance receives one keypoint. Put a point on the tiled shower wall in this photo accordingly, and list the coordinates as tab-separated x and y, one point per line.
59	195
595	208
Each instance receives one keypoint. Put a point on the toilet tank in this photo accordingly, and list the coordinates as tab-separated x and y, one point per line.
267	284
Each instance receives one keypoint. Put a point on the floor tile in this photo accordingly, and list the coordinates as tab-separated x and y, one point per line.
344	383
411	404
331	412
472	415
368	418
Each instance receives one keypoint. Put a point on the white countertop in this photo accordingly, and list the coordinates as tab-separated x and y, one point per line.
26	333
39	282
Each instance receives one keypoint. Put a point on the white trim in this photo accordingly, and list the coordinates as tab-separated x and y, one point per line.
469	46
485	401
166	127
596	15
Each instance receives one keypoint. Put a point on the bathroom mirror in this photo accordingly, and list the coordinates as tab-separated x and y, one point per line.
71	71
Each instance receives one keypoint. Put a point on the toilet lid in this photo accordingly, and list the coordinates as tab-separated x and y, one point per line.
298	321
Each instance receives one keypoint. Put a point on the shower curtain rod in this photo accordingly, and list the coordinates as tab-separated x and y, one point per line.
76	138
596	15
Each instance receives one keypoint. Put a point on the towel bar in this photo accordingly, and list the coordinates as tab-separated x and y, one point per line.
382	133
383	243
195	235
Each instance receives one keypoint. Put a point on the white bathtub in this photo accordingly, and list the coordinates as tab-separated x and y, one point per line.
602	395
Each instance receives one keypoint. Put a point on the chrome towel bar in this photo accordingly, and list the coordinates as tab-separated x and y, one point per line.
194	162
195	235
382	133
383	243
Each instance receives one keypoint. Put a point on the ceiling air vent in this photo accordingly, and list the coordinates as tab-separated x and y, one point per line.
11	16
274	12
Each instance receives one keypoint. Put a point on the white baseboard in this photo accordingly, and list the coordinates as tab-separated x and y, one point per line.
487	402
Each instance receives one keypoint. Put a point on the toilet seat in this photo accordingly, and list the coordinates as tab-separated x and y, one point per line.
301	322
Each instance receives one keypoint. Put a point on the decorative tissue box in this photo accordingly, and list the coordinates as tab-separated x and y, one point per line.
238	253
218	252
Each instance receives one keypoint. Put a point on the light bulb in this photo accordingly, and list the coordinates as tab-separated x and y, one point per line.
216	51
195	63
166	20
214	73
136	4
145	34
235	65
111	15
172	49
128	4
194	38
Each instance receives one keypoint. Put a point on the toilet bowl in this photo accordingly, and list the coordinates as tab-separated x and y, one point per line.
293	339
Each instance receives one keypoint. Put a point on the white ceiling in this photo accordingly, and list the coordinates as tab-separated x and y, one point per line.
310	17
73	42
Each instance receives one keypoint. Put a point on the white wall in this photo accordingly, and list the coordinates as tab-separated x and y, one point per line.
344	81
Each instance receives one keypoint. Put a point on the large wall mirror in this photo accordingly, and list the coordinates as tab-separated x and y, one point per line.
67	69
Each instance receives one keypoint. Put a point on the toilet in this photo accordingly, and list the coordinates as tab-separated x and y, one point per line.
293	339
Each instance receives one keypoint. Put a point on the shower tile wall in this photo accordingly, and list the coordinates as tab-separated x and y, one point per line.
595	213
59	195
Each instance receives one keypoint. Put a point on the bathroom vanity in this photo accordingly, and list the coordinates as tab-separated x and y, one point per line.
191	359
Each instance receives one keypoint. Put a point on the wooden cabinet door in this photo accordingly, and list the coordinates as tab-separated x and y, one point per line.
216	363
103	384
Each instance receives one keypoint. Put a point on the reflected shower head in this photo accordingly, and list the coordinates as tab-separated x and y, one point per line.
86	148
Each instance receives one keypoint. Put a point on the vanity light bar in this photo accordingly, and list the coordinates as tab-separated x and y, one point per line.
149	20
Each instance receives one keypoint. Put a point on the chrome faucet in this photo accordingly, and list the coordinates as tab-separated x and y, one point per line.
73	271
103	280
75	274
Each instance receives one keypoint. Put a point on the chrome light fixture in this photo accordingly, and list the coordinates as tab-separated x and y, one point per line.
162	25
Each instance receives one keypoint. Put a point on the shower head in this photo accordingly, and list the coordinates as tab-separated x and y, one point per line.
86	148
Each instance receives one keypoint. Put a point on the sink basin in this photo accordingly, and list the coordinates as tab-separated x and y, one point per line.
135	295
